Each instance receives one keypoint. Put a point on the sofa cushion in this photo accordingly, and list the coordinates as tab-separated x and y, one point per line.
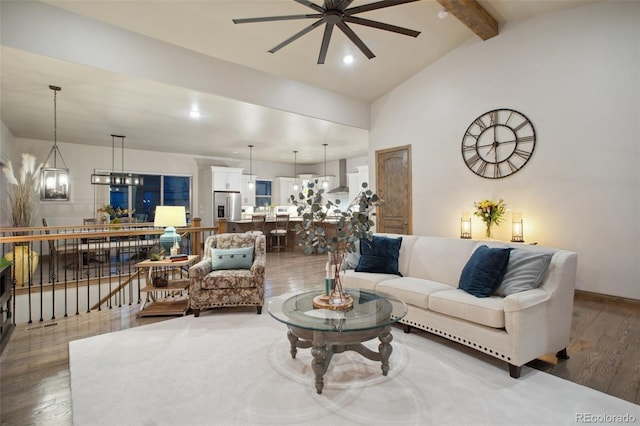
365	280
484	271
406	248
380	255
524	271
413	291
488	311
232	258
439	259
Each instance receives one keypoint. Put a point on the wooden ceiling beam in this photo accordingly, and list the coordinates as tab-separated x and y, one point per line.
474	16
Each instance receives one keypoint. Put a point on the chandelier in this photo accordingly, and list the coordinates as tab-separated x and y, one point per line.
54	183
117	178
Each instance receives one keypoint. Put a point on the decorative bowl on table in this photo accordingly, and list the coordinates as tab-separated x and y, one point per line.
159	280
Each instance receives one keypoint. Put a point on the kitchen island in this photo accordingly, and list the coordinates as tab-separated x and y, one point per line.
245	225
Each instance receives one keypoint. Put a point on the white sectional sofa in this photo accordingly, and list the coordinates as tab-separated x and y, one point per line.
517	328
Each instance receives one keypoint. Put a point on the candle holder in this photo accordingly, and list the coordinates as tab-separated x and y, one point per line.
517	234
465	225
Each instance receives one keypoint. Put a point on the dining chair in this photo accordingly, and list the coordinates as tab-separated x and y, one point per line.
91	255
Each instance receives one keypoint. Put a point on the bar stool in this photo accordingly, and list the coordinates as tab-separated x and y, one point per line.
258	222
280	231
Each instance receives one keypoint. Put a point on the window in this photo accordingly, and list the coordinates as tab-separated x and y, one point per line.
263	193
157	190
147	197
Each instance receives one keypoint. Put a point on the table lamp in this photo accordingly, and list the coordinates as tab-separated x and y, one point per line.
170	217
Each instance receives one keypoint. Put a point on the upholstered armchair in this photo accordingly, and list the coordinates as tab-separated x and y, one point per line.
233	277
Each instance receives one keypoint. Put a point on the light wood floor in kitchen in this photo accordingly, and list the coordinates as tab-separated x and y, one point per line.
34	366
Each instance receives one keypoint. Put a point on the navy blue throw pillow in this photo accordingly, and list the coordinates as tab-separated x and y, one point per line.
484	271
379	255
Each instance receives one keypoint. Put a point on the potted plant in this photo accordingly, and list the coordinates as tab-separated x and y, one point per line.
351	225
23	195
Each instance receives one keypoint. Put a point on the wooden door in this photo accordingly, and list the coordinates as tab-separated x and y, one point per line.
393	185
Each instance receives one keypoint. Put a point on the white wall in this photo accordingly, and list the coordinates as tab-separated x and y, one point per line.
83	159
7	153
576	75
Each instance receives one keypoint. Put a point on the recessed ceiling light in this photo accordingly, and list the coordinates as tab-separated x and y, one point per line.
348	59
195	113
443	13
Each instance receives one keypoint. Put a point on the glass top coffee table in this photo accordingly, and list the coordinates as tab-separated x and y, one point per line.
328	332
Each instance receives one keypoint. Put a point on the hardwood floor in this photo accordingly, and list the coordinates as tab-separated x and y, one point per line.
34	366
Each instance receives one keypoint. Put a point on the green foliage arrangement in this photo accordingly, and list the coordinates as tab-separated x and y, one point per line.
353	223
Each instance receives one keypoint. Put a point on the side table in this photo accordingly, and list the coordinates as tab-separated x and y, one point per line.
165	300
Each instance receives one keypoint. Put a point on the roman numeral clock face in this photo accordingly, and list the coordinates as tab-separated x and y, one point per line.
498	143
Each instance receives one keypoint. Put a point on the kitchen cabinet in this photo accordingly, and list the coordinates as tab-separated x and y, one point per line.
226	179
283	190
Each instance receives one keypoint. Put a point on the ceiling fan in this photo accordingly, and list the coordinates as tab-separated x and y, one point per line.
336	13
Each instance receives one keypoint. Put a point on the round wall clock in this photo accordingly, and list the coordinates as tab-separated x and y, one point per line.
498	143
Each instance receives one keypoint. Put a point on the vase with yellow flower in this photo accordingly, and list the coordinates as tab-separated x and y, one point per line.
491	212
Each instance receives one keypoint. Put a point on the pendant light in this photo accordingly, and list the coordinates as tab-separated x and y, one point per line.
54	181
295	171
114	178
251	167
325	181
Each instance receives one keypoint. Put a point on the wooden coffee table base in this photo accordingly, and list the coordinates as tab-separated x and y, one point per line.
324	344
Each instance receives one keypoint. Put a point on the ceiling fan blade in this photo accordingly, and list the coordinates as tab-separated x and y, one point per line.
329	4
275	18
381	26
310	4
328	30
344	4
355	39
297	35
375	6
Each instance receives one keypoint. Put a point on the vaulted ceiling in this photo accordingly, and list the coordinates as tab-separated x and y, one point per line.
279	102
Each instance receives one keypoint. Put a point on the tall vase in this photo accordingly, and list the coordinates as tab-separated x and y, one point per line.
25	262
489	230
336	299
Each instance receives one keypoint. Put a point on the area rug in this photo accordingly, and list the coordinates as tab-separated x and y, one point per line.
234	368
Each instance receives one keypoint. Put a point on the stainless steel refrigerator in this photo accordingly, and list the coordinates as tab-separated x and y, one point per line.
227	205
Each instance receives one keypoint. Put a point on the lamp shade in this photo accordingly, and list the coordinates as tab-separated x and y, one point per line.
170	217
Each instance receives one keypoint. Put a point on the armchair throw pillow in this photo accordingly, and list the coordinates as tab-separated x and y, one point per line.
233	258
